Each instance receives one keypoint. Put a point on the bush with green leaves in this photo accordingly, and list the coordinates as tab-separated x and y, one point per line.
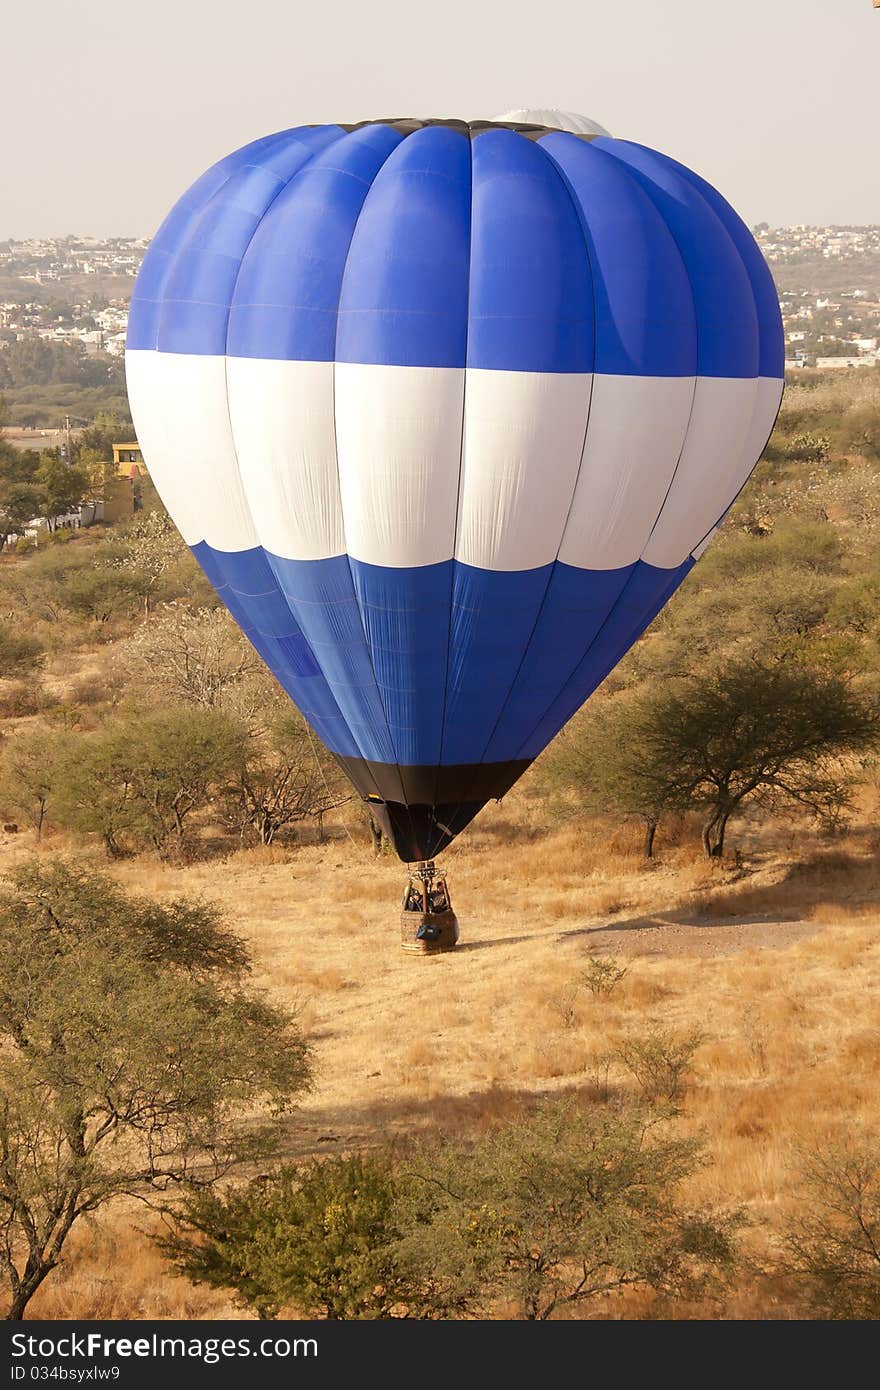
602	974
553	1208
137	781
134	1057
32	764
807	447
20	654
319	1238
660	1061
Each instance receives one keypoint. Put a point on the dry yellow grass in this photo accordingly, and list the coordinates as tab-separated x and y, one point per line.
778	966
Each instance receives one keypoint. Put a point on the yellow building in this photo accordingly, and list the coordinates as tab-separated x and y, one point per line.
124	455
123	494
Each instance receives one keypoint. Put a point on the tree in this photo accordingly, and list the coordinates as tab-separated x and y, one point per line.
36	362
833	1240
73	579
19	493
749	730
288	777
31	766
554	1207
19	505
198	656
143	775
600	759
132	1053
319	1238
98	592
152	549
97	439
62	487
567	1204
19	653
757	730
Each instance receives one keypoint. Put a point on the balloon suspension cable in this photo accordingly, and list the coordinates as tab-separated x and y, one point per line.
326	783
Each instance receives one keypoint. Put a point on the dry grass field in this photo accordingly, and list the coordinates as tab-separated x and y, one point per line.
774	957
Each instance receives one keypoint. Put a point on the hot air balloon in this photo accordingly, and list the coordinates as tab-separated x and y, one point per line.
447	411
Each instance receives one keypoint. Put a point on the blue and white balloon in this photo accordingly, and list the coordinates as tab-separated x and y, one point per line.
447	411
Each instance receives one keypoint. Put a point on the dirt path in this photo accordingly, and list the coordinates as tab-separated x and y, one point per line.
659	936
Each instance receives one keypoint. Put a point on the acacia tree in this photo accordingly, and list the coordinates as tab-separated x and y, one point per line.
600	758
569	1203
31	765
61	580
19	653
554	1207
142	776
132	1053
750	730
151	549
287	777
197	656
761	730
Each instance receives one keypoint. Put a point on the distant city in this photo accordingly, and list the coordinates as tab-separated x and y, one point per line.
75	290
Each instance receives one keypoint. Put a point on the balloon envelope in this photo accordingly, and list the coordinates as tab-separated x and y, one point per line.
447	412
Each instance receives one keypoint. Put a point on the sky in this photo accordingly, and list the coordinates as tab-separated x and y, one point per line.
109	110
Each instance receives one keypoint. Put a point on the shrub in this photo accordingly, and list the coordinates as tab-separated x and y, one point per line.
31	766
556	1207
660	1062
809	448
20	699
137	781
833	1240
602	975
19	653
319	1238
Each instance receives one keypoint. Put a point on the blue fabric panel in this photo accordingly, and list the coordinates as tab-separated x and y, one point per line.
197	294
771	361
727	320
238	577
146	300
362	650
405	615
320	593
287	292
493	616
405	289
576	607
643	596
645	321
531	296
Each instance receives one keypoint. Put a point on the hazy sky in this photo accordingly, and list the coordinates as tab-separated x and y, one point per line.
109	109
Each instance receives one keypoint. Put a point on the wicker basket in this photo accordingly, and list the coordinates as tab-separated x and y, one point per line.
443	928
